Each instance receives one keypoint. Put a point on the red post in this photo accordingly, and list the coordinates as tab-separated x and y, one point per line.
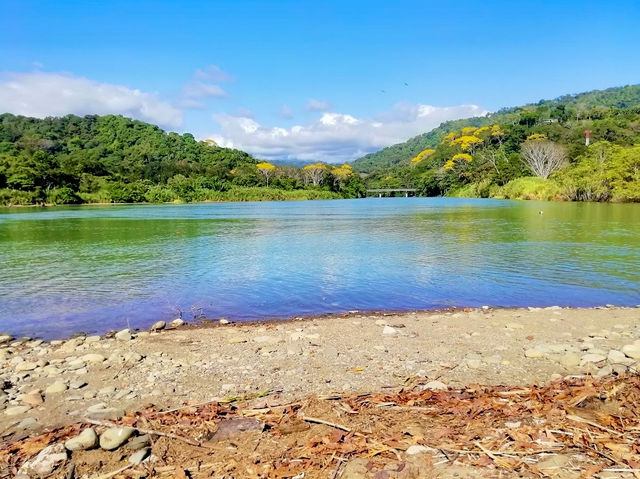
587	136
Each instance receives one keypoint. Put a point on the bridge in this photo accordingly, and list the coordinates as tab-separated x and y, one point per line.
392	191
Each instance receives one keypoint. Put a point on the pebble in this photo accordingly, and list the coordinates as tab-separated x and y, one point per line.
417	449
632	350
112	413
92	358
16	410
158	325
5	338
92	339
139	456
570	360
533	353
223	321
26	366
114	437
87	439
436	386
77	384
176	323
593	358
139	442
388	331
33	398
124	335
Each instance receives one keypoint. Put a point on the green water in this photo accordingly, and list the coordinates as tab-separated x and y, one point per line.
93	269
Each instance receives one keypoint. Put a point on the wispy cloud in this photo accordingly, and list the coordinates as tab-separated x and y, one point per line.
204	85
42	94
317	105
336	137
286	112
213	73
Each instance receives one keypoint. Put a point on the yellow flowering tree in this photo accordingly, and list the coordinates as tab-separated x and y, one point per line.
467	142
422	155
267	170
315	172
537	137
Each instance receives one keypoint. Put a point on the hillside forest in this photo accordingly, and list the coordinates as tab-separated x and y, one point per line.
536	151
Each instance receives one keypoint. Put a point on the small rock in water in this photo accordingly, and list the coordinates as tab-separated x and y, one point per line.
114	437
176	323
158	325
87	439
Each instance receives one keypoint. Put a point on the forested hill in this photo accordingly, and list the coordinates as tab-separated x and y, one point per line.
582	106
107	159
580	147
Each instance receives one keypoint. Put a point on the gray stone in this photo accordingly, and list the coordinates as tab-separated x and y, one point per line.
112	413
124	335
139	442
389	331
26	366
56	387
632	350
570	360
78	384
139	456
176	323
16	410
27	423
223	321
114	437
92	358
533	353
33	398
87	439
593	358
417	449
107	391
5	338
436	386
92	339
158	325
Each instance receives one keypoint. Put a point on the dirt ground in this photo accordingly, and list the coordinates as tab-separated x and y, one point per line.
388	381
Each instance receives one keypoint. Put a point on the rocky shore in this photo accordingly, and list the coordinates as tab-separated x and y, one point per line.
51	384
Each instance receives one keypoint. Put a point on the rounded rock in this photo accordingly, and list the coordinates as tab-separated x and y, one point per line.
158	325
115	437
87	439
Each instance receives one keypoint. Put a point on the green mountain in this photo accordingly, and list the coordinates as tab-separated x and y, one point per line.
536	151
580	106
107	159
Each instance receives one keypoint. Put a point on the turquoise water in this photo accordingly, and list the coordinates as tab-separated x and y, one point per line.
93	269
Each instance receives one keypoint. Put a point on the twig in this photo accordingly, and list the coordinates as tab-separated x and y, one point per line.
326	423
572	417
147	431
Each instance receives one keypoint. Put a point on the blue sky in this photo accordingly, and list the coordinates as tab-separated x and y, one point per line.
326	80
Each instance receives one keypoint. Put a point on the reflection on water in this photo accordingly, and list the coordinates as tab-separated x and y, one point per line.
98	268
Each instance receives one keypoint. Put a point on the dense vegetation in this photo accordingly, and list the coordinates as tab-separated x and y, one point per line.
530	152
104	159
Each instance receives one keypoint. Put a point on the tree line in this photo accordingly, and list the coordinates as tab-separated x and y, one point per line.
113	159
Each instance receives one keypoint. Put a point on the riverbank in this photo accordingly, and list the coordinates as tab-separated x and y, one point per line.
52	384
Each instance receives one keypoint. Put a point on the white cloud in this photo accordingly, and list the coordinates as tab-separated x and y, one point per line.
317	105
336	137
42	94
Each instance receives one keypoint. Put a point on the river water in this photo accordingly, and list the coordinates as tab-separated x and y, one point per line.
92	269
